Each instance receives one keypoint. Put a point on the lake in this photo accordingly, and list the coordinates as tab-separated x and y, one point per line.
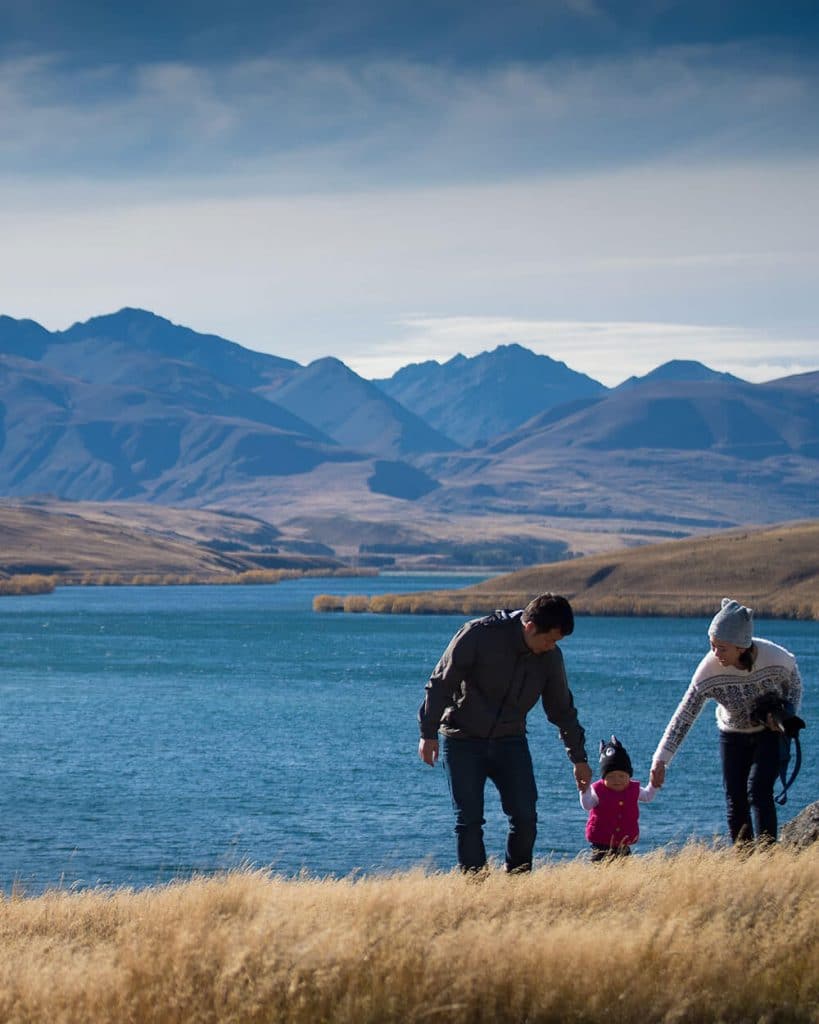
151	733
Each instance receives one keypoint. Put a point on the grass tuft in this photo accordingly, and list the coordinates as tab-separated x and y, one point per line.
26	583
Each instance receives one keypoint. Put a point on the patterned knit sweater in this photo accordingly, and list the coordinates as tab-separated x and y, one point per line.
735	690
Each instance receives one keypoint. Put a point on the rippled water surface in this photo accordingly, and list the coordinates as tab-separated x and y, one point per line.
150	733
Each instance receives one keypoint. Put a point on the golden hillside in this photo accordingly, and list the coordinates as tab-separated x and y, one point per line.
69	545
774	570
82	542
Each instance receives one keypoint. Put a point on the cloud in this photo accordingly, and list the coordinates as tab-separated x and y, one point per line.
384	277
318	122
359	208
608	352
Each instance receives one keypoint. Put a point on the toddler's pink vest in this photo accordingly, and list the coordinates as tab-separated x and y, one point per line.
614	821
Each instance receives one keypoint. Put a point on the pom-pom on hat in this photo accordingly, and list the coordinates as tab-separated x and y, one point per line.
614	757
733	624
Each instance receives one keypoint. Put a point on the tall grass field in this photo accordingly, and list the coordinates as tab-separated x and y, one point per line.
703	934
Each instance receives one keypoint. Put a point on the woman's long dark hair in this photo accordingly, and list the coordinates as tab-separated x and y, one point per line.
747	658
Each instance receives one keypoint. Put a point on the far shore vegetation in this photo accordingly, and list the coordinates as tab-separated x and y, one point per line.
774	570
42	584
452	603
27	583
699	934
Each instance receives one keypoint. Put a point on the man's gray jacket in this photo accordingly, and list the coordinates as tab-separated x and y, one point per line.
487	681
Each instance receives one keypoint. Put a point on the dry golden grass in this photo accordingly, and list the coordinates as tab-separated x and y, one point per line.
40	584
774	570
27	583
698	935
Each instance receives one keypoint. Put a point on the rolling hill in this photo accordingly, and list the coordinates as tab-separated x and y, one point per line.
524	460
774	571
74	541
724	416
696	454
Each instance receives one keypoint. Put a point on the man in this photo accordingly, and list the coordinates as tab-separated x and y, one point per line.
489	677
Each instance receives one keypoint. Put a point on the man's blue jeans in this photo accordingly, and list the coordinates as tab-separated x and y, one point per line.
507	762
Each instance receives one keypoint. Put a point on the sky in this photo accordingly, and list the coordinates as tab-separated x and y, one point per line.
613	184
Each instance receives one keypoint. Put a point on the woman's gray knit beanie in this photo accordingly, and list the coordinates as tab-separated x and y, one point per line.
733	624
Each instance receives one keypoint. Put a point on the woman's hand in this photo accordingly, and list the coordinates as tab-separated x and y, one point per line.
657	774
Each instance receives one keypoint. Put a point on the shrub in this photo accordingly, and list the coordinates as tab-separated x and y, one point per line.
33	583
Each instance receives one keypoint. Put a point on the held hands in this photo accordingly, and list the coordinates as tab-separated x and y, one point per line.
428	751
582	776
657	775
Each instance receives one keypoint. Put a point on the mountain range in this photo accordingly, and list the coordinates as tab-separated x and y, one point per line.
502	458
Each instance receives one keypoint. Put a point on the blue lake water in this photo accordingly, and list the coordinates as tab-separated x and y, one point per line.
151	733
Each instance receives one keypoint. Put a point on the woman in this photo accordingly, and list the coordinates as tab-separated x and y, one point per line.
738	670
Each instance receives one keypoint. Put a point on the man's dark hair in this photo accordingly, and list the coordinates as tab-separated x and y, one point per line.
550	611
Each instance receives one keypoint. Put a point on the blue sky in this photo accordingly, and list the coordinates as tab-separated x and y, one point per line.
612	184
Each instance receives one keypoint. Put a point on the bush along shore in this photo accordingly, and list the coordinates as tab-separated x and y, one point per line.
773	570
698	934
42	584
28	583
474	601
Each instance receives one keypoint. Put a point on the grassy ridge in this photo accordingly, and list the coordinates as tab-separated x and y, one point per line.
703	934
774	570
84	542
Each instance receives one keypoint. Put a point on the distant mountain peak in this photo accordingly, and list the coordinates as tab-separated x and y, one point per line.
682	370
124	322
355	412
475	399
511	348
128	316
330	364
142	330
24	338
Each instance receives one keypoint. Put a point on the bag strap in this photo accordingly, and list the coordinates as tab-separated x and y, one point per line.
782	798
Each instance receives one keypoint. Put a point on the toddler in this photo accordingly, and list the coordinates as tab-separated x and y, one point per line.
612	801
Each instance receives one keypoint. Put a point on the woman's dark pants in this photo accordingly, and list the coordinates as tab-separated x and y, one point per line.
750	767
507	763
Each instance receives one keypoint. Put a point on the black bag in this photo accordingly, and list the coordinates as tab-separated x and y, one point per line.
778	714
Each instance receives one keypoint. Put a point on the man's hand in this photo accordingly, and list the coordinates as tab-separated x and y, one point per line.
428	751
582	775
657	774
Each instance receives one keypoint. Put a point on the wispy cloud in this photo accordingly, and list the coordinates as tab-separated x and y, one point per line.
332	273
319	121
387	210
608	352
